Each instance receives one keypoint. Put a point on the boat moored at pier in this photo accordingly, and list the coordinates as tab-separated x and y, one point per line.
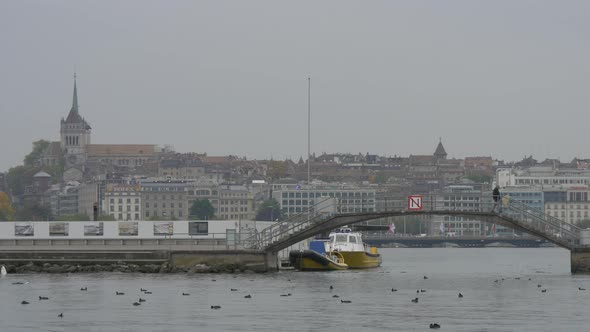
316	258
356	254
343	249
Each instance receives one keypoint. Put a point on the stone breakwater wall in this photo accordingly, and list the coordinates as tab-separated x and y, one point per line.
35	267
226	261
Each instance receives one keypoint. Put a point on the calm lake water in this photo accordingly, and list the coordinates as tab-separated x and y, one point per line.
507	305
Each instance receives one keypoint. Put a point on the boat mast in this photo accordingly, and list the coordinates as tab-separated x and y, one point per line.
308	147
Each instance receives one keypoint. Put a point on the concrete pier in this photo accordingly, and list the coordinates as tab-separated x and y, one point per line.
580	260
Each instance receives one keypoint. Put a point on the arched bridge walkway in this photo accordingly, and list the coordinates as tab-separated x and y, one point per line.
514	215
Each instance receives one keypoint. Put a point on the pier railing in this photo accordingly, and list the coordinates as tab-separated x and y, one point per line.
213	241
316	213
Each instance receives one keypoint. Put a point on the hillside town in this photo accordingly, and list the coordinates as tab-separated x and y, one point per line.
76	179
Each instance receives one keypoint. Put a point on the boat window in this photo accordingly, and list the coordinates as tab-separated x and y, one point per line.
352	239
341	238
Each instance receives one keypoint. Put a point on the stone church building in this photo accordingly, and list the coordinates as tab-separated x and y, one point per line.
83	160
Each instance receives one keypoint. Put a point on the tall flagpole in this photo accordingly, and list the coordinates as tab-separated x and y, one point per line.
308	147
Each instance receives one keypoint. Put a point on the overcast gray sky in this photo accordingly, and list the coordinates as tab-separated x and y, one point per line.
499	78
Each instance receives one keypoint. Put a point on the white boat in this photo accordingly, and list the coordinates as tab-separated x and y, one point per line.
3	271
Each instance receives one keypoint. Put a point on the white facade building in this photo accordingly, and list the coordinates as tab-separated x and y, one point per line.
123	202
298	199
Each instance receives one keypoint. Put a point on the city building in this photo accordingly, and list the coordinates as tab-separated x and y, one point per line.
165	200
461	198
479	165
72	199
569	204
128	156
560	193
123	202
235	203
181	169
297	199
541	176
87	197
531	196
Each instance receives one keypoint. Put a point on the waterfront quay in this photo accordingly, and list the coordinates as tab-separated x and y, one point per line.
147	246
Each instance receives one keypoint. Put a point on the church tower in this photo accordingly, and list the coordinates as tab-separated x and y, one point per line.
440	153
75	136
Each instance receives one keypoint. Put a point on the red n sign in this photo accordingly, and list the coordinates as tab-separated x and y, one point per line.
415	202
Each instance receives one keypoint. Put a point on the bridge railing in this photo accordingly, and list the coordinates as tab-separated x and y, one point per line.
316	213
519	213
552	227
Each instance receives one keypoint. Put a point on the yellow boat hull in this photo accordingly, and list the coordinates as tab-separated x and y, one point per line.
308	260
361	259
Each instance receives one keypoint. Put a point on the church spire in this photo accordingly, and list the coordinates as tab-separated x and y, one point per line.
75	98
74	115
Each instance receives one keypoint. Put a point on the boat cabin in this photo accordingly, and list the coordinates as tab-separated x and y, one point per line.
346	240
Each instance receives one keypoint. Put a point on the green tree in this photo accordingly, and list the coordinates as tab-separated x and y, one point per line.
201	210
18	178
585	223
277	169
479	178
6	210
380	177
38	148
74	217
33	211
269	210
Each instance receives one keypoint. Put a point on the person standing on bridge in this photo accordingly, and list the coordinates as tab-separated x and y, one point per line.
497	199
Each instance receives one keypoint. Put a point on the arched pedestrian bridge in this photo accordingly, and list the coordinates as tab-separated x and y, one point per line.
513	215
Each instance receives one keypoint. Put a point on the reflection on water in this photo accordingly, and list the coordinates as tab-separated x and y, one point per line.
510	304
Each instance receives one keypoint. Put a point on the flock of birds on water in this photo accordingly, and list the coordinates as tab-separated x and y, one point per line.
249	296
